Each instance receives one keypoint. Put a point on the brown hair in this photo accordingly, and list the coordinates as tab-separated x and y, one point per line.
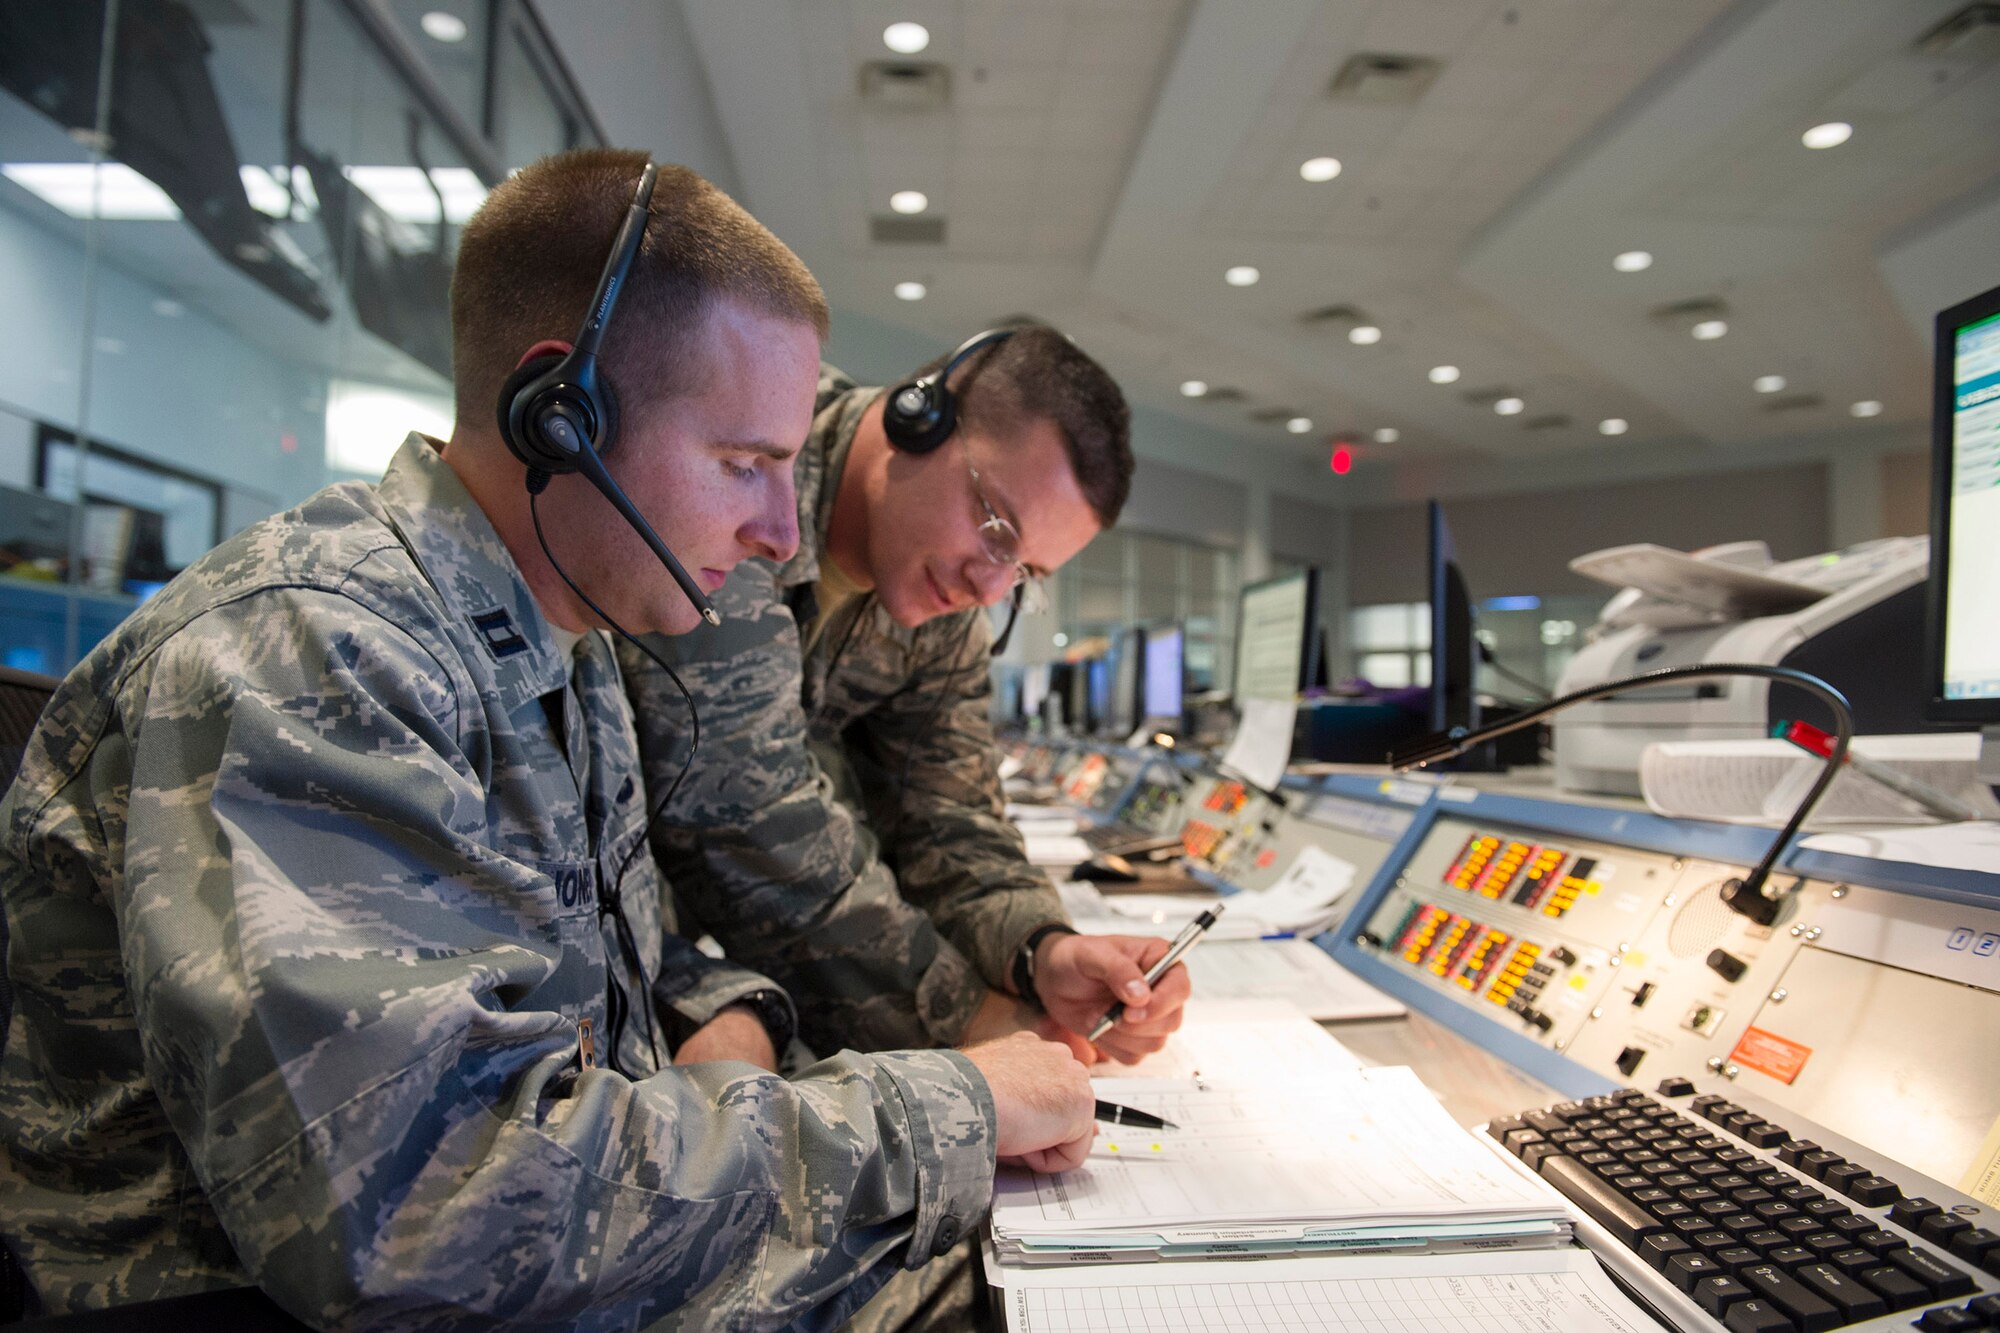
1040	374
530	258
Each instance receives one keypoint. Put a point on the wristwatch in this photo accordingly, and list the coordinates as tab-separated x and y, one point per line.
771	1010
1024	961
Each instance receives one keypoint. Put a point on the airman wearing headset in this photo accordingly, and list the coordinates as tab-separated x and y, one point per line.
842	829
336	942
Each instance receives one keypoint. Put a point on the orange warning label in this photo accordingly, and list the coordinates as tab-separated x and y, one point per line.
1768	1053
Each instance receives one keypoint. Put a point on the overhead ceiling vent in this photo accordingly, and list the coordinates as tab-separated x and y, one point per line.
1384	78
1973	33
1691	311
1333	316
886	230
1553	421
1487	397
1794	402
905	85
1269	415
1222	393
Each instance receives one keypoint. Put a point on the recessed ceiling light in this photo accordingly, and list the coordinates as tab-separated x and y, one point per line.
1388	435
1632	261
909	201
1612	426
911	291
1768	383
1243	275
1320	168
1193	388
1062	640
1362	335
1299	425
1508	407
1443	374
906	39
1709	330
442	27
1867	407
1830	135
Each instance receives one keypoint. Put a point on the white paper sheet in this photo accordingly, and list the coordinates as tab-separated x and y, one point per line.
1244	1042
1949	846
1561	1291
1271	1159
1263	740
1306	892
1055	849
1297	972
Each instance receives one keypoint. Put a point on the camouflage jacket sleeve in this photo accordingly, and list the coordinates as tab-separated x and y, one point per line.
927	764
333	985
762	855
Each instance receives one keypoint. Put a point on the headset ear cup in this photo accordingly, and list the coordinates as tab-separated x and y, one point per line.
513	409
920	431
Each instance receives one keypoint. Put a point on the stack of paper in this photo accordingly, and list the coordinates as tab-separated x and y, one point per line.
1301	1161
1304	901
1763	781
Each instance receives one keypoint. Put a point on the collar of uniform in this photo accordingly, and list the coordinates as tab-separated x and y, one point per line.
473	571
839	408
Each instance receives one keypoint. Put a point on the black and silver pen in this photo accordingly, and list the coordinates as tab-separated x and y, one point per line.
1111	1113
1184	941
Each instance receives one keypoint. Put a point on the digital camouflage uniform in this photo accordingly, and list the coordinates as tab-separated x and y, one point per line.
304	908
880	881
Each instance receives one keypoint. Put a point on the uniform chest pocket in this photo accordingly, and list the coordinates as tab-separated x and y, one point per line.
573	886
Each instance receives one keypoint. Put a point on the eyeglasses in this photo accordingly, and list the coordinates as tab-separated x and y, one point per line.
1000	543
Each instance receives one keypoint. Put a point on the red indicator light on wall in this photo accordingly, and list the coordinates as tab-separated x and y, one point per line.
1343	460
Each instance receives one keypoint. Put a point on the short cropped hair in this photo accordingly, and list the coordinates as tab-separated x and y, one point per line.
1039	374
530	258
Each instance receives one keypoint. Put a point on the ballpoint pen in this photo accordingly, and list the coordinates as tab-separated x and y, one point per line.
1814	741
1111	1113
1182	943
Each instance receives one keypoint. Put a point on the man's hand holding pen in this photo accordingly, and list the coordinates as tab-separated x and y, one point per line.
1079	976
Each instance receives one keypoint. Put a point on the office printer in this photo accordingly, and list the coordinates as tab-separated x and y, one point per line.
1853	617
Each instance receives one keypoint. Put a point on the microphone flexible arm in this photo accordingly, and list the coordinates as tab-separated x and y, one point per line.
1749	896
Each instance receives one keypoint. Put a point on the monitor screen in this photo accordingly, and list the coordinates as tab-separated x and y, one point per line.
1165	672
1965	519
1127	658
1277	637
1097	700
1453	700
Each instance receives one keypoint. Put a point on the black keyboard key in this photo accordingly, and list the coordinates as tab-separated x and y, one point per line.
1941	1229
1987	1308
1854	1262
1625	1220
1712	1241
1791	1150
1691	1225
1738	1121
1766	1240
1671	1209
1649	1194
1686	1270
1737	1157
1675	1086
1660	1170
1846	1223
1757	1316
1897	1287
1800	1194
1803	1226
1536	1153
1732	1181
1739	1256
1715	1208
1911	1212
1816	1162
1700	1106
1840	1290
1660	1250
1626	1184
1751	1195
1881	1242
1715	1110
1945	1282
1634	1153
1979	1246
1952	1320
1786	1256
1825	1243
1874	1191
1771	1178
1707	1170
1717	1294
1697	1195
1674	1180
1775	1211
1843	1176
1764	1134
1595	1160
1824	1208
1547	1122
1740	1223
1517	1139
1783	1290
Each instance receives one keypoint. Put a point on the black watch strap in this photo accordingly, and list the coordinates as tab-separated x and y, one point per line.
774	1014
1024	960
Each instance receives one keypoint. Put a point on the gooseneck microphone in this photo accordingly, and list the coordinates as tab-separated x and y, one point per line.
559	415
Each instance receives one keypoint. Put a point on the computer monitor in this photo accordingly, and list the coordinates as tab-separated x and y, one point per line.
1454	699
1166	672
1127	659
1963	633
1277	637
1097	694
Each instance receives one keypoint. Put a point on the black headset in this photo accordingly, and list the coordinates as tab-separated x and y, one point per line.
919	415
558	414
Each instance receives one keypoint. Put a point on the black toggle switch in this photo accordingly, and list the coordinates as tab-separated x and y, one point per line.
1628	1059
1726	965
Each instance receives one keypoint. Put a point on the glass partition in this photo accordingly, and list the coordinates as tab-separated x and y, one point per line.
226	240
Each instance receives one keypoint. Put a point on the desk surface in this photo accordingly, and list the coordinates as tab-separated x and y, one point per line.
1474	1085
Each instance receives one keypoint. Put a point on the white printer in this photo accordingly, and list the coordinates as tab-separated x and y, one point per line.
1854	618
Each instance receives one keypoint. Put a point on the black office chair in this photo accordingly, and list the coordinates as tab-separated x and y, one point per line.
23	695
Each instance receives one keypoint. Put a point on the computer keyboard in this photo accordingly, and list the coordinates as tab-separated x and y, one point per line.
1116	839
1755	1224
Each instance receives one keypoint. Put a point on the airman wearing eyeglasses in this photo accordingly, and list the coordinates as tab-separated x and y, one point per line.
841	828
